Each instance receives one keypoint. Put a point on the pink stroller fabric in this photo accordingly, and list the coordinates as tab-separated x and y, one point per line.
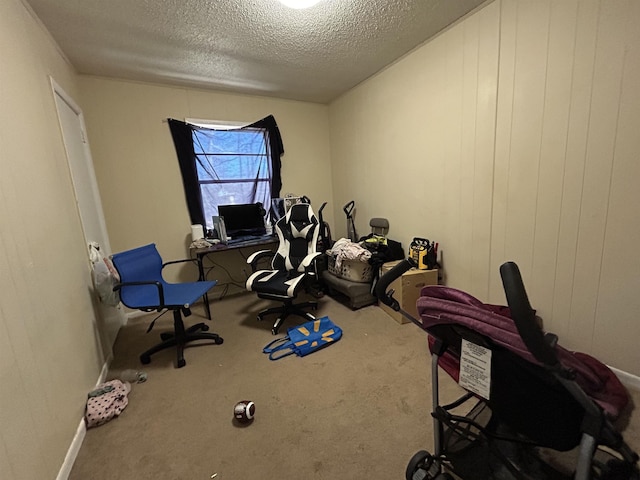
444	305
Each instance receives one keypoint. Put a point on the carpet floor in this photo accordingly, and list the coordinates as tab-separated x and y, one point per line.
357	409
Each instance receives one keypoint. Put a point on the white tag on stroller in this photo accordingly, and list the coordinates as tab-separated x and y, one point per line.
475	369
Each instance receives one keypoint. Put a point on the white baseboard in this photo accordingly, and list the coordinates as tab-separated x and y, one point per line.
627	379
76	443
72	453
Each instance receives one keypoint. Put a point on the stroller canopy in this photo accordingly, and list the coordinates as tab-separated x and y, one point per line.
440	305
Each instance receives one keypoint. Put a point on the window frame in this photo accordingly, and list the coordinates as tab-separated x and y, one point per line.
182	136
230	126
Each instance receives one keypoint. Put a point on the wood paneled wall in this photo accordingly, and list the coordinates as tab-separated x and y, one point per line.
513	136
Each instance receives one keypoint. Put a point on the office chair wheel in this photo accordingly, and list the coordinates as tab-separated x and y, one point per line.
204	327
219	341
164	336
145	359
181	362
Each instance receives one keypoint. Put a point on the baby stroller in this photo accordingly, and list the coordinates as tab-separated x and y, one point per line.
527	399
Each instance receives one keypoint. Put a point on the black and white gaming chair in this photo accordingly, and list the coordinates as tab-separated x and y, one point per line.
291	265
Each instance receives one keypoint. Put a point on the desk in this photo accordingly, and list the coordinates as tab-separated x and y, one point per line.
200	253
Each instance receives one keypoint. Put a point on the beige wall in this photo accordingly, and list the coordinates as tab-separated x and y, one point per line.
137	167
49	354
513	136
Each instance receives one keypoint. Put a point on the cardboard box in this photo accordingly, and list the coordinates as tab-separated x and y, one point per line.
407	290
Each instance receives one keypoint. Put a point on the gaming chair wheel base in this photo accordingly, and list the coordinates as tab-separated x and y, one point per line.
276	326
285	311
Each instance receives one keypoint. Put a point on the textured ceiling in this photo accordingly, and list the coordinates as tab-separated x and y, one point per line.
246	46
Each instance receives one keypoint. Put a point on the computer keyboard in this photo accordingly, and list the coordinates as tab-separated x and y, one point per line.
245	238
240	239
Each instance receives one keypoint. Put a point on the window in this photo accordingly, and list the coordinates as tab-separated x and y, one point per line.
223	165
233	167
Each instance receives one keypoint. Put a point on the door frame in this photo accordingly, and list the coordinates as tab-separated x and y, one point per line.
110	319
59	91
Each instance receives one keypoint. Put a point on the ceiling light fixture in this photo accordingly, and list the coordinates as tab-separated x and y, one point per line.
299	4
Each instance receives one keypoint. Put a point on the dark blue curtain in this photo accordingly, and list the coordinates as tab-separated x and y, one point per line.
182	134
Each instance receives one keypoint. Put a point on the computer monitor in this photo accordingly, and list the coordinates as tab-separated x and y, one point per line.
243	220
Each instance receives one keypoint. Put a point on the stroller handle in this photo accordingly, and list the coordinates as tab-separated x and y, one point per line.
387	278
524	316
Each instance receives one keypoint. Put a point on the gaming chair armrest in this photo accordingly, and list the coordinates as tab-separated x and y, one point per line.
130	284
308	261
255	257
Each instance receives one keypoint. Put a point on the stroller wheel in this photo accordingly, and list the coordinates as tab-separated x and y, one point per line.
421	467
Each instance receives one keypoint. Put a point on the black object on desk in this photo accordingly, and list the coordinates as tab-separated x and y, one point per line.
238	243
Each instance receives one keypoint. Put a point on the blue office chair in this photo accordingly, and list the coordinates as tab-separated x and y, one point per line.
142	287
292	266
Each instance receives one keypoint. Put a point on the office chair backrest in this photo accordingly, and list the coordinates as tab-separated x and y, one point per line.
298	235
142	264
